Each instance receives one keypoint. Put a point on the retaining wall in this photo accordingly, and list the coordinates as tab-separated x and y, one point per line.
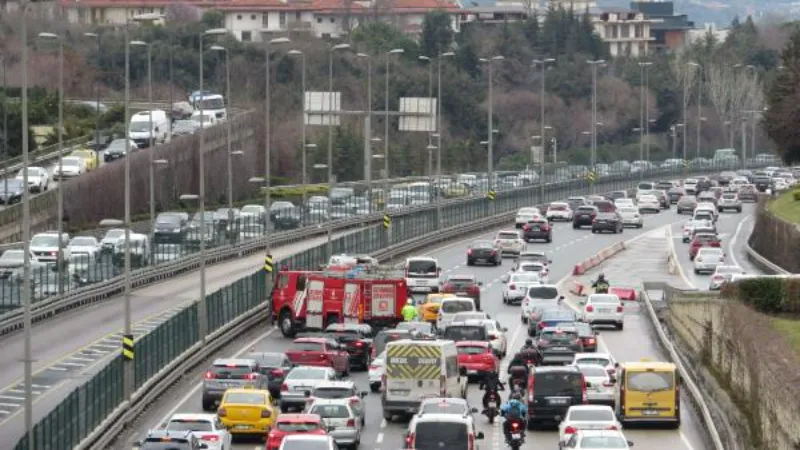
776	239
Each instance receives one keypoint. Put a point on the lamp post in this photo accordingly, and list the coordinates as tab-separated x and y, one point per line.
5	121
331	178
151	141
304	144
368	131
60	194
594	64
430	147
97	37
394	51
490	139
543	63
645	66
689	65
699	107
219	48
439	132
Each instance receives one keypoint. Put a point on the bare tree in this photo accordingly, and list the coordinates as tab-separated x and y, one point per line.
685	75
729	91
528	5
183	12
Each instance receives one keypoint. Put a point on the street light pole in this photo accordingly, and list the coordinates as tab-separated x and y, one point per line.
646	93
368	129
439	133
5	122
543	63
689	65
128	369
430	96
99	40
151	140
219	48
304	179
594	116
490	139
331	178
641	116
386	133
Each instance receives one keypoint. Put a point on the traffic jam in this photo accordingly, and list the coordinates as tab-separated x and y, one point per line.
422	338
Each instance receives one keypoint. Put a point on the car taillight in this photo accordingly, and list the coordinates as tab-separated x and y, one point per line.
251	376
209	375
277	372
594	219
526	228
570	430
209	438
541	325
410	440
373	367
619	308
715	244
469	251
545	228
221	412
493	336
513	287
717	278
266	414
589	308
543	342
53	253
446	286
358	344
351	423
284	387
590	341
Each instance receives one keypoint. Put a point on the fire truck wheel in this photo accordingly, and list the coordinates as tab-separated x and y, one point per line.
287	327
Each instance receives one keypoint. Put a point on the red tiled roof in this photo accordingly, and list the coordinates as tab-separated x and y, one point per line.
319	6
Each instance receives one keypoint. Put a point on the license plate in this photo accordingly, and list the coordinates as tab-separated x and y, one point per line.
516	436
461	293
302	388
472	372
242	427
535	228
650	412
558	401
492	404
400	392
559	349
227	385
603	310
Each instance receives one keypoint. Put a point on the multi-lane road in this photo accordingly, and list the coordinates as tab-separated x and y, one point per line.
648	246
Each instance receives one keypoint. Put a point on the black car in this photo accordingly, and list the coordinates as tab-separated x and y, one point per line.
117	149
553	391
484	252
169	227
607	222
288	219
762	183
537	229
559	344
584	215
274	366
10	191
356	338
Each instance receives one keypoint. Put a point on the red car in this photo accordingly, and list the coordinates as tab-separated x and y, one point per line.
290	424
321	352
477	357
703	240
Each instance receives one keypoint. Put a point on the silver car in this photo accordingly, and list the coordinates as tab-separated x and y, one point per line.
339	390
599	386
340	419
722	275
631	216
300	380
227	374
729	200
708	259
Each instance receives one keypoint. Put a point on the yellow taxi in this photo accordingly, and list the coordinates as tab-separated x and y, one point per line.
247	411
89	156
456	190
429	309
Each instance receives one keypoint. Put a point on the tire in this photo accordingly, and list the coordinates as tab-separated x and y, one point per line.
207	405
696	272
620	326
549	239
287	327
575	226
499	262
387	416
738	210
375	388
470	263
284	409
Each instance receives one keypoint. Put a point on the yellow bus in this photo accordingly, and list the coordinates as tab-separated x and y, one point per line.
648	392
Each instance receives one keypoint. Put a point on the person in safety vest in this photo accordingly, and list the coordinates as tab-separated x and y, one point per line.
409	311
601	285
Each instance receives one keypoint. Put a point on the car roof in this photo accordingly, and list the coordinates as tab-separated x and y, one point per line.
301	417
591	407
593	355
316	340
448	400
308	437
472	344
193	416
336	384
550	369
331	401
444	418
234	362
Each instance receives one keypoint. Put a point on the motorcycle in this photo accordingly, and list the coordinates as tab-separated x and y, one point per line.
517	385
491	410
516	439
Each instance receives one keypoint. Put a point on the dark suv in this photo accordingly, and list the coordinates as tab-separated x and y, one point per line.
584	215
170	440
170	227
559	344
551	391
607	222
537	229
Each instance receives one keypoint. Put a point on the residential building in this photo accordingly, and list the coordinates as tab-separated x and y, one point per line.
626	32
576	5
671	33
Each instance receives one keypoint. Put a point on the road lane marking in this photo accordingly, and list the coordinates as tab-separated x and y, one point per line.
732	244
678	264
11	397
379	438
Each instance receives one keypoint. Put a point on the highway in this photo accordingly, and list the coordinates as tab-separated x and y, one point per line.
568	247
69	350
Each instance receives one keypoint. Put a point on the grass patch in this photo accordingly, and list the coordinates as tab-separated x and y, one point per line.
790	328
786	207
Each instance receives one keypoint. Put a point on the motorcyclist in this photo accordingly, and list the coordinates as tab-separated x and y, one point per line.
601	285
517	374
491	384
409	311
514	410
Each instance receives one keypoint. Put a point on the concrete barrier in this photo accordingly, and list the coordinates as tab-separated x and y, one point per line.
578	289
594	261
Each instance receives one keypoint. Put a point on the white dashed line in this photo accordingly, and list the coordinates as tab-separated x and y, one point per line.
40	386
22	391
78	358
71	364
10	405
379	438
59	369
11	397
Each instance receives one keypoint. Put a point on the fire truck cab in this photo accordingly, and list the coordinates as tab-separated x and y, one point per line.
303	300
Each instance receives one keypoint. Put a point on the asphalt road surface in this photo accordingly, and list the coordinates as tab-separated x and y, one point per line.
568	248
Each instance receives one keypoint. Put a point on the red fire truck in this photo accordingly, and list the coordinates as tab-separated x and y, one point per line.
303	300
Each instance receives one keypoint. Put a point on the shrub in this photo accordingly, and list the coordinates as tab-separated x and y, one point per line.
796	195
766	295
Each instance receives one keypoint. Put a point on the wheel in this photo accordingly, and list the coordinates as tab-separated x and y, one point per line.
594	231
505	301
621	229
620	326
738	210
549	239
469	263
284	409
696	272
374	387
207	405
575	226
523	319
387	416
287	327
499	261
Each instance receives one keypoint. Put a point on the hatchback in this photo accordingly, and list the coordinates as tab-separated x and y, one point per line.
340	419
603	309
687	203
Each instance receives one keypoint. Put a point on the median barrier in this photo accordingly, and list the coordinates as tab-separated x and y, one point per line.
578	289
594	261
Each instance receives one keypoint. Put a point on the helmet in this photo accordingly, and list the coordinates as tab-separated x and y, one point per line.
601	277
516	396
410	301
528	342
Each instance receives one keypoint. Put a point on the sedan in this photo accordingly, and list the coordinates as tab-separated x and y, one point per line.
602	309
708	258
675	194
687	204
537	229
584	215
537	268
118	148
463	286
599	384
298	381
485	252
340	419
510	241
729	201
87	245
722	275
273	366
631	216
604	360
526	214
516	288
690	226
206	427
559	211
607	222
10	191
648	203
596	440
587	417
247	412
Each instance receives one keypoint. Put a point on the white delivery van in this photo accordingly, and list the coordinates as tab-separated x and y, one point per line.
213	104
451	306
208	119
422	274
139	130
415	370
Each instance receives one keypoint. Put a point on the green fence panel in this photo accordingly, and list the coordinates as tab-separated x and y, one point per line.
164	343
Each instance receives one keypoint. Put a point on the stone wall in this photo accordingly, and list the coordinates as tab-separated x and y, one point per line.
776	239
754	363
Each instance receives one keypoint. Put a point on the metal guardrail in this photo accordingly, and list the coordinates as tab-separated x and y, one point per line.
694	390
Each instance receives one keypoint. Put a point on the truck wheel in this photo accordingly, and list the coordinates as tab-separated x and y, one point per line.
287	327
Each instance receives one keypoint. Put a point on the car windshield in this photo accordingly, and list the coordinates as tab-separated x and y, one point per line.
592	370
114	234
13	185
457	306
44	241
558	383
465	333
482	245
603	442
211	103
267	360
245	398
443	408
306	347
628	211
461	281
593	360
83	241
558	207
307	373
138	127
190	425
333	392
471	349
528	211
710	252
168	220
591	415
296	427
543	292
421	266
524	278
71	162
510	235
604	299
420	327
528	267
650	381
441	435
330	411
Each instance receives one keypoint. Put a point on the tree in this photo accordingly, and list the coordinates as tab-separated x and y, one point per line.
728	90
783	103
437	34
14	130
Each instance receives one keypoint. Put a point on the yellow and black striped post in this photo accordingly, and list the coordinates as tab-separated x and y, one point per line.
491	195
387	221
592	176
686	163
269	263
127	347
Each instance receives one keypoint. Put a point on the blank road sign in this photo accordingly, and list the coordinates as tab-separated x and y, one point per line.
322	101
418	114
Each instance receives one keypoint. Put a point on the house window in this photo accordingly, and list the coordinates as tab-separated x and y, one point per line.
253	17
239	17
333	20
265	20
282	19
297	16
247	36
319	19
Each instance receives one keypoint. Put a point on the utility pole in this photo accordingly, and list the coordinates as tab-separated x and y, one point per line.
543	64
490	139
594	65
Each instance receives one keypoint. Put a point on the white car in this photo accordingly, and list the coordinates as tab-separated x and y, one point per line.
84	245
707	206
630	216
597	359
739	182
708	258
450	307
596	440
525	215
516	287
539	295
44	247
587	417
510	241
207	428
603	309
38	179
691	225
497	336
376	370
534	267
624	202
69	167
299	380
444	405
690	186
722	275
559	211
111	238
599	384
307	441
648	203
780	184
341	418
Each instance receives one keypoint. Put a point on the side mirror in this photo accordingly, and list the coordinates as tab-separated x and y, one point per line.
479	436
581	302
549	261
504	279
616	364
363	394
473	410
561	297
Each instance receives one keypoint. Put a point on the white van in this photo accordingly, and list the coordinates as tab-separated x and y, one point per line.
139	130
415	370
213	104
208	119
420	193
422	274
451	306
